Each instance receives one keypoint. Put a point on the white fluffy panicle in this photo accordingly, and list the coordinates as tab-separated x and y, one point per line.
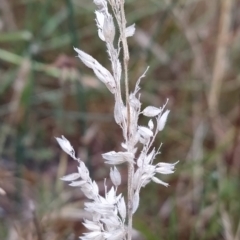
109	212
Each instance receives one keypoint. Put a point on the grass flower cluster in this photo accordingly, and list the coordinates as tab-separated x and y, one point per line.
111	214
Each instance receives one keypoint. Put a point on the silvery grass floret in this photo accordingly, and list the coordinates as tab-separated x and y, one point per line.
110	213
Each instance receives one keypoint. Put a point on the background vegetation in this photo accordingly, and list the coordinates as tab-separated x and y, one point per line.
193	50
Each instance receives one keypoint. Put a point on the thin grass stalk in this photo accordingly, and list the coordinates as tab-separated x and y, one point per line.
130	165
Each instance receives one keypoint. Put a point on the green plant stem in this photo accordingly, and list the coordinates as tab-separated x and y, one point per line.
16	59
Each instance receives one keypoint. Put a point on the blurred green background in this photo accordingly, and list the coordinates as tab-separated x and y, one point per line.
193	50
